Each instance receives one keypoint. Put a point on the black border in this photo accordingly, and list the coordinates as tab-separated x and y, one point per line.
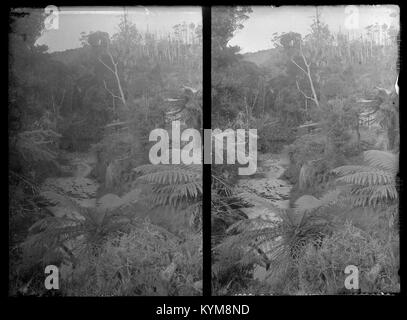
206	208
260	306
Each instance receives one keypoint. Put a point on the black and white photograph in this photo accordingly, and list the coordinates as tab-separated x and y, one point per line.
320	214
201	151
91	213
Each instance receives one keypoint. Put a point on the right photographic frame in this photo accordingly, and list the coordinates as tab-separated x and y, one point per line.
305	129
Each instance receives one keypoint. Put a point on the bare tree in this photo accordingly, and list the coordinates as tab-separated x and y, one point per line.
307	72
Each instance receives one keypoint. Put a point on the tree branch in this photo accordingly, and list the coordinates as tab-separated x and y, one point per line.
100	59
303	93
111	93
303	57
111	58
117	78
308	73
293	61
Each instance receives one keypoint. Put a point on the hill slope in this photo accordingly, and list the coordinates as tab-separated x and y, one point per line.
262	58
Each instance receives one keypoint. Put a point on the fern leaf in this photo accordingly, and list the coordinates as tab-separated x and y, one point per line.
383	160
61	200
344	170
366	178
308	203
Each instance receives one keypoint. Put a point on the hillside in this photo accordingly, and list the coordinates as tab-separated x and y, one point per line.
69	56
262	58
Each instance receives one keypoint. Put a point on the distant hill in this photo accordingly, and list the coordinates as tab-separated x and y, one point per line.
261	58
268	60
69	56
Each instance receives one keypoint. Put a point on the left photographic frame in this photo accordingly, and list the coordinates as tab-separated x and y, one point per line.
105	172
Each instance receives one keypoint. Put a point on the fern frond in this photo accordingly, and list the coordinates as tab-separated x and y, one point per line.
61	200
250	225
370	185
308	203
52	232
383	160
164	174
173	185
344	170
373	195
368	178
190	189
253	237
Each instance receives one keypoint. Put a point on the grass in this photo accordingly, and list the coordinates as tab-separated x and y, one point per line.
322	270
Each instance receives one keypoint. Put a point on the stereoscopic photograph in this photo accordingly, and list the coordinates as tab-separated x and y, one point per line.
95	207
109	140
319	214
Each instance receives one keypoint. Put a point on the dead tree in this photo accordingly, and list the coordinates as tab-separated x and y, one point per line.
307	72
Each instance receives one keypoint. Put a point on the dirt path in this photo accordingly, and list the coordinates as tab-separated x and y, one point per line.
265	191
78	185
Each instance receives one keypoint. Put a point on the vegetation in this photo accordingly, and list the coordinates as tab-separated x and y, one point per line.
82	194
84	197
319	100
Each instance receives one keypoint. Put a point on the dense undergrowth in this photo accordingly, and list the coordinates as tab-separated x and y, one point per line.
328	112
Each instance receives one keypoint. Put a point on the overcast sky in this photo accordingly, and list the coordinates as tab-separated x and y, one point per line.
257	32
74	20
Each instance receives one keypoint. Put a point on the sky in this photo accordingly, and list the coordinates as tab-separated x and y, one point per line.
72	21
256	34
263	21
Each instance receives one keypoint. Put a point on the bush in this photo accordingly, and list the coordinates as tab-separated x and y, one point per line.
306	148
273	137
134	263
322	270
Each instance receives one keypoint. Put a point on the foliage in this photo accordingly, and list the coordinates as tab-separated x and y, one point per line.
322	271
225	21
322	94
178	186
372	184
304	149
72	227
103	98
125	267
273	244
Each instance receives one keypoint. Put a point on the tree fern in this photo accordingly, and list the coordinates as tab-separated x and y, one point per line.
177	186
382	160
174	185
358	185
49	237
274	241
372	184
251	232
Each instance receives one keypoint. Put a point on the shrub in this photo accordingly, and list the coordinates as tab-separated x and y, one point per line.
306	148
273	136
322	270
133	264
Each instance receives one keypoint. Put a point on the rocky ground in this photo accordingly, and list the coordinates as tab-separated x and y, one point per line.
266	192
